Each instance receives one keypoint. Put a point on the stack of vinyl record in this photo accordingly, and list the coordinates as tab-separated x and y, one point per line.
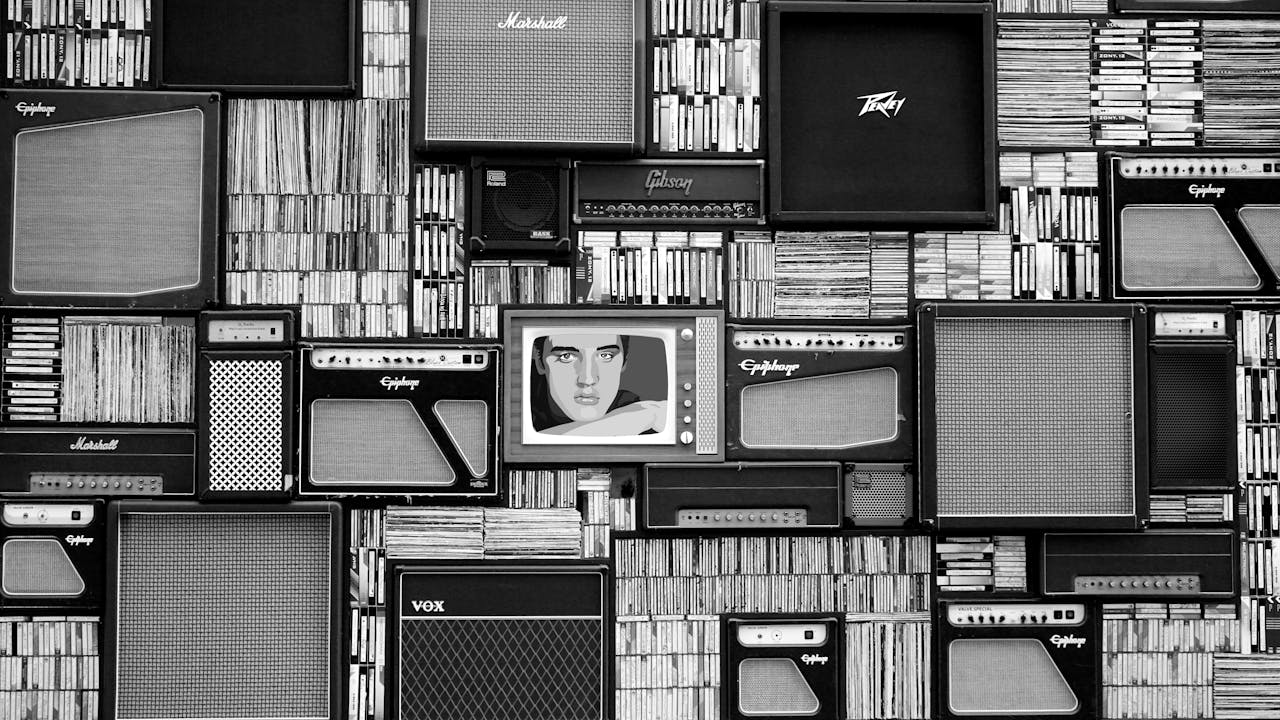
822	275
893	655
1042	78
553	532
1241	82
435	533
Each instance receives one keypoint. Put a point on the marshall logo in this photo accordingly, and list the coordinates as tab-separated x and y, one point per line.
1201	191
520	21
26	109
882	103
74	540
83	443
1061	641
391	383
659	180
813	659
764	368
431	606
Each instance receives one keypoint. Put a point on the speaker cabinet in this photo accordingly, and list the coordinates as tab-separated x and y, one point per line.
879	494
783	666
519	206
881	113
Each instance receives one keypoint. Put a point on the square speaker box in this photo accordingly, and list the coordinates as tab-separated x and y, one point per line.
519	206
783	666
882	113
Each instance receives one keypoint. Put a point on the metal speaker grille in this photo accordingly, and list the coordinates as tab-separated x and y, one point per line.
1034	417
487	83
137	184
774	686
501	669
223	615
38	567
467	423
877	494
1193	418
1007	676
1183	247
378	442
1263	224
831	411
246	411
527	203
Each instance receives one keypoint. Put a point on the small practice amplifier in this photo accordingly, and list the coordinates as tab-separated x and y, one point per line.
680	192
879	494
53	554
752	496
781	666
1156	563
519	205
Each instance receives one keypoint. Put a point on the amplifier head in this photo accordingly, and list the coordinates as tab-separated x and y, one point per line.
780	666
52	554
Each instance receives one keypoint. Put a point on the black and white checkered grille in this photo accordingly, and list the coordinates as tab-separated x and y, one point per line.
245	436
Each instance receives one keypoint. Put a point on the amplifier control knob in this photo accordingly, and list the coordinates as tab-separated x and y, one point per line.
686	437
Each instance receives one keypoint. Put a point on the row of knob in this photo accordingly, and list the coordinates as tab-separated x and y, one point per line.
715	210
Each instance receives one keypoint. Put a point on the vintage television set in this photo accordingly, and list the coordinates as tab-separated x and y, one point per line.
111	198
613	384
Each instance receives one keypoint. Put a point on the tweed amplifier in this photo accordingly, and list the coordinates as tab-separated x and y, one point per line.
52	554
767	497
780	666
682	192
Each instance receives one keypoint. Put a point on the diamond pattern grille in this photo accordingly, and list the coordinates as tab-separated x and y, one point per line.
245	437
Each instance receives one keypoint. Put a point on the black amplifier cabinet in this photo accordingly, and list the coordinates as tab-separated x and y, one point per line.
52	554
767	497
682	192
399	420
1020	660
1249	7
1203	225
820	393
783	666
519	206
1157	563
90	461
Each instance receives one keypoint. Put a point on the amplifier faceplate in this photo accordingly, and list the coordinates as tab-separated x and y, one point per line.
669	191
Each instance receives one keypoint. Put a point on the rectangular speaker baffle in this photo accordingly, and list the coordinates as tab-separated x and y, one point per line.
519	207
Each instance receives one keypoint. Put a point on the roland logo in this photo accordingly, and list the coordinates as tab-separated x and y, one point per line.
26	109
495	178
883	103
660	180
753	367
428	606
74	540
1062	641
391	383
519	21
1202	191
813	659
84	443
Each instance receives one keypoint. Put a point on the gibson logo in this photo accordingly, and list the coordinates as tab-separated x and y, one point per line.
428	605
764	368
659	180
26	109
1061	641
83	443
882	103
813	659
74	540
520	21
391	383
1200	191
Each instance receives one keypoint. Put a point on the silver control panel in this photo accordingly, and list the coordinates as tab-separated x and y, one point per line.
1199	167
740	518
90	484
393	358
1065	614
825	341
1137	584
48	515
1190	324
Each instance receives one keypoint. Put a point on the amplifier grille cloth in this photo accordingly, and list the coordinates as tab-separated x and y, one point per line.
245	434
1183	247
774	686
877	494
1263	224
500	669
39	567
467	422
374	442
1007	676
1031	424
574	84
1193	418
223	615
830	411
136	183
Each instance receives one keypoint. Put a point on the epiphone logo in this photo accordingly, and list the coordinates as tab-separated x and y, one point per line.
432	606
882	103
520	21
659	180
1201	191
813	659
391	383
74	540
28	110
764	368
83	443
1061	641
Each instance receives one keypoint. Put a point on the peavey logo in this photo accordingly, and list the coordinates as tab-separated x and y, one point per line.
1061	641
26	109
659	180
882	103
83	443
764	368
520	21
813	659
432	606
1201	191
391	383
74	540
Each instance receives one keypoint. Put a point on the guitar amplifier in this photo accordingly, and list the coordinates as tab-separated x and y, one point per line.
764	497
783	666
1193	565
662	192
519	205
52	554
93	461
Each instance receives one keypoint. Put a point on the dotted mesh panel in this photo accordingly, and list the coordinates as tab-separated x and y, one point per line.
830	411
137	186
1263	224
707	359
1033	417
38	566
488	83
774	686
357	442
500	669
1006	677
246	408
878	494
223	615
1184	247
467	422
527	203
1193	419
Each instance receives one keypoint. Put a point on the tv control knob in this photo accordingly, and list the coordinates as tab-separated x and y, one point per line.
686	334
686	438
687	419
687	387
688	403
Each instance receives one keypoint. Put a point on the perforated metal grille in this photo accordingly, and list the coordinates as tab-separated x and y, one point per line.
223	615
467	423
1011	676
1034	417
39	567
1193	418
500	669
573	84
707	412
1263	224
246	409
374	442
136	185
877	494
1181	247
527	202
774	686
830	411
